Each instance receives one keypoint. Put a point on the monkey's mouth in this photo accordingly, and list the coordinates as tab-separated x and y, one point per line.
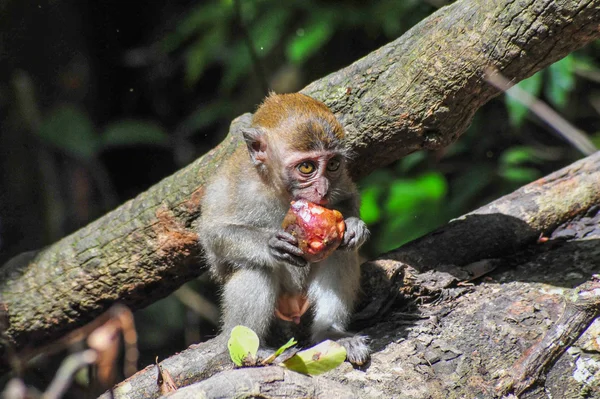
314	200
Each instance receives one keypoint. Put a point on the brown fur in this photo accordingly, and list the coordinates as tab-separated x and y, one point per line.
304	121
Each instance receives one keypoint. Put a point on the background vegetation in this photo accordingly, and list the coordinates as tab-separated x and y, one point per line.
100	100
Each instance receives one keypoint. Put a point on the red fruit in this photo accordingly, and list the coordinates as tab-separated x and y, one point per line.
319	230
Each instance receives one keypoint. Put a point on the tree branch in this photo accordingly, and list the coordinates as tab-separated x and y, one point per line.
420	91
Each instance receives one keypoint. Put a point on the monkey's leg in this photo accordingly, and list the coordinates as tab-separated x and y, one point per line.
249	298
333	291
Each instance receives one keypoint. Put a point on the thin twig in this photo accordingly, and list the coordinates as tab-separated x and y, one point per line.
67	370
573	135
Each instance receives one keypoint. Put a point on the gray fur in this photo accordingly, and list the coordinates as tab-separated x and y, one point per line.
240	231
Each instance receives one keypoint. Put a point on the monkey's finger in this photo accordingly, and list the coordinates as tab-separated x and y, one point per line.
283	251
285	246
287	237
295	260
349	240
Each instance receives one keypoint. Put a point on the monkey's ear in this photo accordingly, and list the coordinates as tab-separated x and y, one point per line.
257	144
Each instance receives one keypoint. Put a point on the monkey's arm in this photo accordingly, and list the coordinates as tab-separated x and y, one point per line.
249	246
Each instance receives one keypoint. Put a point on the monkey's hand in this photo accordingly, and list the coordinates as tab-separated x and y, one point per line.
284	247
356	233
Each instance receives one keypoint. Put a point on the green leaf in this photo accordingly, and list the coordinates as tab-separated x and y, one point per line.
408	195
410	161
561	82
202	17
370	211
517	111
201	53
317	360
243	345
403	196
279	351
267	31
520	174
308	41
238	65
519	155
432	185
134	132
70	130
285	346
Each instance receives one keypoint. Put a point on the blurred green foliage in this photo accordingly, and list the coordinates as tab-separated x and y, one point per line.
414	196
212	32
70	130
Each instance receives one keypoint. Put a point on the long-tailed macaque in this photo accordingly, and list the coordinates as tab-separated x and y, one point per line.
295	150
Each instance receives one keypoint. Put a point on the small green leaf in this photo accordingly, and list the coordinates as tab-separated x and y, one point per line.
243	345
520	174
285	346
561	82
517	111
317	360
279	351
519	155
432	185
408	195
201	53
410	161
70	130
370	211
133	132
266	31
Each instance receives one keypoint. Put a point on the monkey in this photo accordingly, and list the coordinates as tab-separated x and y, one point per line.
294	150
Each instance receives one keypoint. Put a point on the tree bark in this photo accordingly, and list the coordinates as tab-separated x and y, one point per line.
418	92
469	334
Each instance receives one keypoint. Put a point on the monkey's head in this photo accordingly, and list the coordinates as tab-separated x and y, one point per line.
297	145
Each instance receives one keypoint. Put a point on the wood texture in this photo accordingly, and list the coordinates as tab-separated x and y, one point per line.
420	91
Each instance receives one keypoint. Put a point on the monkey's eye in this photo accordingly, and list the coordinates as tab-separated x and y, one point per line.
306	168
333	165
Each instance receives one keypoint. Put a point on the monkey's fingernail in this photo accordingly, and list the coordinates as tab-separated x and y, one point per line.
297	319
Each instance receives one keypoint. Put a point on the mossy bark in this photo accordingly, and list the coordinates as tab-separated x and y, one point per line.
420	91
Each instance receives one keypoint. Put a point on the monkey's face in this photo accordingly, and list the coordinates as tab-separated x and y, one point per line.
313	176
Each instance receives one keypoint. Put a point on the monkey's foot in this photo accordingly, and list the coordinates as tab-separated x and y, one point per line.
357	349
